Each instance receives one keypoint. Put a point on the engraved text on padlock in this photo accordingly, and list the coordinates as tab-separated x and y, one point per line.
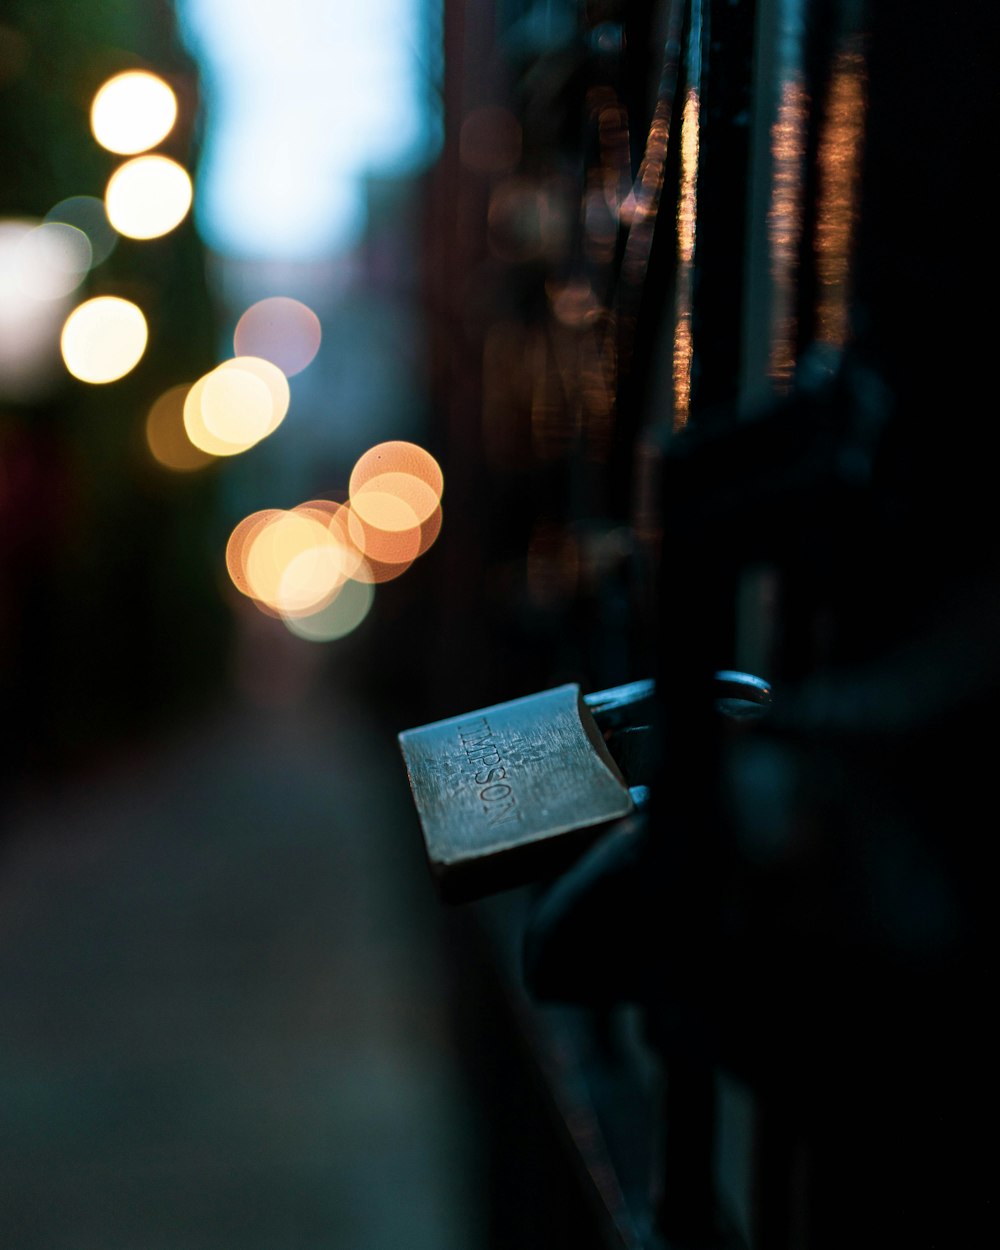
494	786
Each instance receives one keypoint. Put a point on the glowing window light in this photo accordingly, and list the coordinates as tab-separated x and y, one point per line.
88	214
148	197
371	501
397	457
132	112
338	618
279	329
166	437
53	260
103	339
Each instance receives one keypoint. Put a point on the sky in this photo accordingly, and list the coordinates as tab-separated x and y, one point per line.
303	99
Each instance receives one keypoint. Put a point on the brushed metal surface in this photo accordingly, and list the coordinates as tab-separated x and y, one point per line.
509	776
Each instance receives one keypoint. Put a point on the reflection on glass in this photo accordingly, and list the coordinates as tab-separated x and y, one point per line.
687	221
524	221
839	165
133	112
574	303
148	197
641	206
784	224
103	339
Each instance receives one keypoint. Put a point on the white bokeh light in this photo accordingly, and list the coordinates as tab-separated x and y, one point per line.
304	101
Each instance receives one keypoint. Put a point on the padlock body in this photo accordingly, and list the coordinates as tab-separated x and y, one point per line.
495	788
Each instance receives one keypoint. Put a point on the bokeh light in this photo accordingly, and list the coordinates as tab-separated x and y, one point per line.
430	529
197	430
293	564
53	259
235	406
29	326
394	547
290	563
272	378
397	457
372	501
88	214
231	408
239	544
165	434
103	339
133	112
148	197
340	617
281	330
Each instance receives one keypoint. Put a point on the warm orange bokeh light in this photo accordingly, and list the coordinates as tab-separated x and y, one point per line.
397	457
272	377
232	407
384	546
415	499
430	529
239	543
291	563
165	434
235	406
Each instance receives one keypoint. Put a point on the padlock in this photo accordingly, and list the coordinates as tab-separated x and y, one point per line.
509	793
515	792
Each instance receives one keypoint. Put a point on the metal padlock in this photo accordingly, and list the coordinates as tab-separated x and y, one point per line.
514	792
511	792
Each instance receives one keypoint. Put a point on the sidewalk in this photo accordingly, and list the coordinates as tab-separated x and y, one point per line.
222	1017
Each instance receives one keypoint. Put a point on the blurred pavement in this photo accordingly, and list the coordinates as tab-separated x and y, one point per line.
223	1020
